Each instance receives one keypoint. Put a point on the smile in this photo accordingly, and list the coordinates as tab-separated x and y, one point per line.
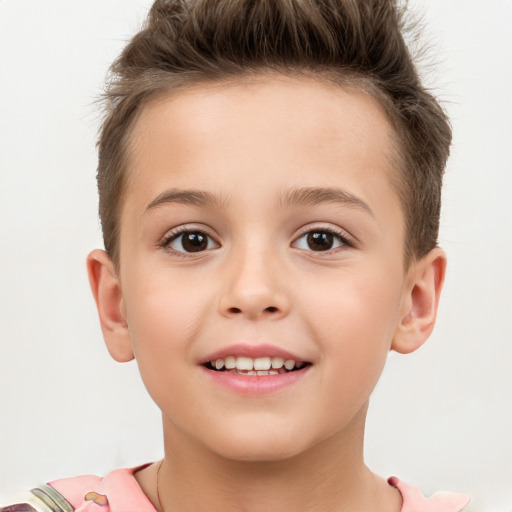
242	365
255	369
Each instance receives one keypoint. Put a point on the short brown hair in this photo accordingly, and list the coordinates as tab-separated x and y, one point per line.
357	41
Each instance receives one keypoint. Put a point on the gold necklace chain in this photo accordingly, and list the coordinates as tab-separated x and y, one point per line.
160	506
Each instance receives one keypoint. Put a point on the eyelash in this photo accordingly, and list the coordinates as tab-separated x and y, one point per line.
341	236
175	234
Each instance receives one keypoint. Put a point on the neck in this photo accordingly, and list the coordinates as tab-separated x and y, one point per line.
328	477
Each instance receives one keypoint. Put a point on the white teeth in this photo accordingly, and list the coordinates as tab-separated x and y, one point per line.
290	364
244	363
277	362
262	363
230	363
257	366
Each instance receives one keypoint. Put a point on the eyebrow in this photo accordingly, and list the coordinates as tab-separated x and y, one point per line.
306	196
310	196
190	197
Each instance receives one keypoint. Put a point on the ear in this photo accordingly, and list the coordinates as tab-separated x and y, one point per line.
106	288
421	298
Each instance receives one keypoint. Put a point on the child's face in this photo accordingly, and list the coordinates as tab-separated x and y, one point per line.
295	248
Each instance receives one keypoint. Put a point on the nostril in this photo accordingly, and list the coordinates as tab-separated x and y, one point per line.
270	309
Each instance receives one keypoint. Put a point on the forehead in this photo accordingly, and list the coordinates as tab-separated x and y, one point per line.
317	109
274	131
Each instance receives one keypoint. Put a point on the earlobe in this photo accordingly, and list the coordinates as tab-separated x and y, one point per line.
421	300
106	290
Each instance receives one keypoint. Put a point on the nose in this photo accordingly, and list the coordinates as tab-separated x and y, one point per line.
253	287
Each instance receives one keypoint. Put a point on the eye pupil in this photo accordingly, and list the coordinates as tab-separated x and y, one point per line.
320	240
194	241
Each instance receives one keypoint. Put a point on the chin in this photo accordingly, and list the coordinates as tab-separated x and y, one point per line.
258	445
258	453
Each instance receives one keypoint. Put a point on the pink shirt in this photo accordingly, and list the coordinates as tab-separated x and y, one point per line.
119	491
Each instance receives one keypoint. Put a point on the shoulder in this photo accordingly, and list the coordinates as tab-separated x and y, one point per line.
118	491
415	501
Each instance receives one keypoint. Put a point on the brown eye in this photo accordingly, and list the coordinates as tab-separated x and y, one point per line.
320	240
194	242
191	241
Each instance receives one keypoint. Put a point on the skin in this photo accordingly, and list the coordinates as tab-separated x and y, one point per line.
251	145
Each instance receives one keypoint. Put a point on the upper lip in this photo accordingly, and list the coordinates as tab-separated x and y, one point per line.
252	351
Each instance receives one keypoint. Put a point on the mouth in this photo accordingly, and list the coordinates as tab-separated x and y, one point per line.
260	366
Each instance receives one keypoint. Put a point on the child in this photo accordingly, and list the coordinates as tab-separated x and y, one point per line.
269	178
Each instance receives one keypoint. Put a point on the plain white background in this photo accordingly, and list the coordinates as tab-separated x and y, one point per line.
440	418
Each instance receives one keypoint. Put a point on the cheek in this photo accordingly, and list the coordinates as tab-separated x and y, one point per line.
164	307
164	318
353	319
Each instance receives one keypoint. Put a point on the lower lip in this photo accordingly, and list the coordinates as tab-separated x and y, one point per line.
256	384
